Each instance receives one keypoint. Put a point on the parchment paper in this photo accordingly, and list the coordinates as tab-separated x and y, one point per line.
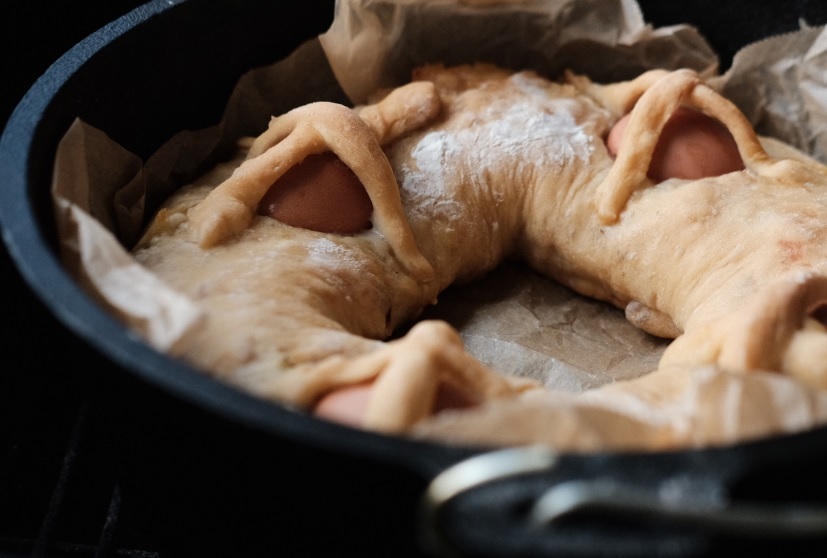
513	320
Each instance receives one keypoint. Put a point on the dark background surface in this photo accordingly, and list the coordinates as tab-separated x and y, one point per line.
85	451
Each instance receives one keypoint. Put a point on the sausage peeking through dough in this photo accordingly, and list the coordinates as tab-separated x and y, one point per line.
464	167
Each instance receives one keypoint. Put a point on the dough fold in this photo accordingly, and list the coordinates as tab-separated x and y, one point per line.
465	167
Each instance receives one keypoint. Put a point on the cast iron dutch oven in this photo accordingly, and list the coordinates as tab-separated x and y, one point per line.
754	497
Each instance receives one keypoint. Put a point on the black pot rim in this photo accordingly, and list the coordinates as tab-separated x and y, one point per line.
30	249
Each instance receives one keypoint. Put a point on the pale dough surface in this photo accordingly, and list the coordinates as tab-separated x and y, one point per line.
487	165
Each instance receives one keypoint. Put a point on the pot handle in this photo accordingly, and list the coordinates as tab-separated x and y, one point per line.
526	482
732	518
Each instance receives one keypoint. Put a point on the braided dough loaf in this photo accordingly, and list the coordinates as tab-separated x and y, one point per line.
468	166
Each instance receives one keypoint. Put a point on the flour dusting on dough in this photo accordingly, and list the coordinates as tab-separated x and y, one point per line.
530	132
325	253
